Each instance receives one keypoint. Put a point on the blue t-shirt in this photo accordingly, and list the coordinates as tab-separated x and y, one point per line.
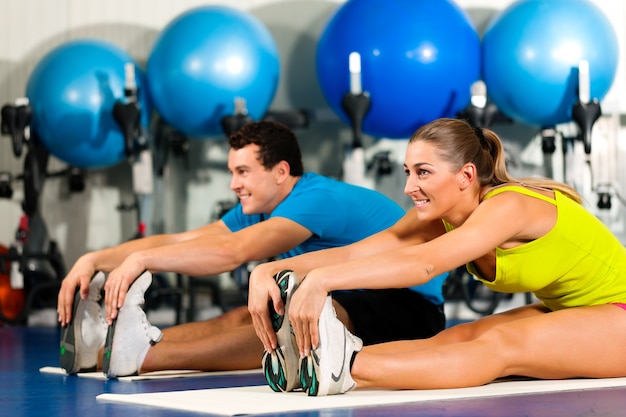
337	214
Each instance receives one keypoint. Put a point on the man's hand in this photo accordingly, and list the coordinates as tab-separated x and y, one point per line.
79	278
117	284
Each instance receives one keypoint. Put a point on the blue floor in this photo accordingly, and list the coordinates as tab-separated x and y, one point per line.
25	392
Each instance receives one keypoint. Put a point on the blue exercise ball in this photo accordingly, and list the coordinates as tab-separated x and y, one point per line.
205	59
419	59
72	91
531	53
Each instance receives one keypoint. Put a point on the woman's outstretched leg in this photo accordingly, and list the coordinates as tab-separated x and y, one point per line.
577	342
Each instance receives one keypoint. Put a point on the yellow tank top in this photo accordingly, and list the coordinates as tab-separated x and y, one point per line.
579	262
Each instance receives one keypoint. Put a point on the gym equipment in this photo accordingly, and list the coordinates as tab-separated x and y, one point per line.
205	59
586	111
73	91
37	265
261	401
482	112
12	300
419	59
531	56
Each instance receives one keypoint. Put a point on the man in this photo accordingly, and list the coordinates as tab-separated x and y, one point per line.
282	212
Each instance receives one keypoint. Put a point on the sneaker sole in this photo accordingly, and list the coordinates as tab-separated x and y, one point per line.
108	348
67	357
309	368
278	380
277	319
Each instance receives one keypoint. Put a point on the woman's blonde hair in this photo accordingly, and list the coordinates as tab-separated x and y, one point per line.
458	143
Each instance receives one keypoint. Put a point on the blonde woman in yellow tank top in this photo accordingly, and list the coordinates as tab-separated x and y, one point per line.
514	235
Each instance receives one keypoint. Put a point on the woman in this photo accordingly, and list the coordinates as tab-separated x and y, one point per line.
530	235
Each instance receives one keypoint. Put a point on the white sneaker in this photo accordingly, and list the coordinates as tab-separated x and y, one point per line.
326	370
84	335
131	335
280	368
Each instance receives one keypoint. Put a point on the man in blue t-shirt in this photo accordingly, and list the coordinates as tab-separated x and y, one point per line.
282	212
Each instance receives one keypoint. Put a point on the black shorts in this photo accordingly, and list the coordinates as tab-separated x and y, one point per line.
391	314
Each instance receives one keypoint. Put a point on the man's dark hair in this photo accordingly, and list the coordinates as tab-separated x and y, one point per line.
276	143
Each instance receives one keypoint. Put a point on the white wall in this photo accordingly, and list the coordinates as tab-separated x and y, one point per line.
186	197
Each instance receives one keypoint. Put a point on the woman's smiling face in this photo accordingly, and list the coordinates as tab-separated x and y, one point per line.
430	182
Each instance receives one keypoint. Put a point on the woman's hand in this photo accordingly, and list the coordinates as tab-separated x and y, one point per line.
305	310
118	282
262	291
